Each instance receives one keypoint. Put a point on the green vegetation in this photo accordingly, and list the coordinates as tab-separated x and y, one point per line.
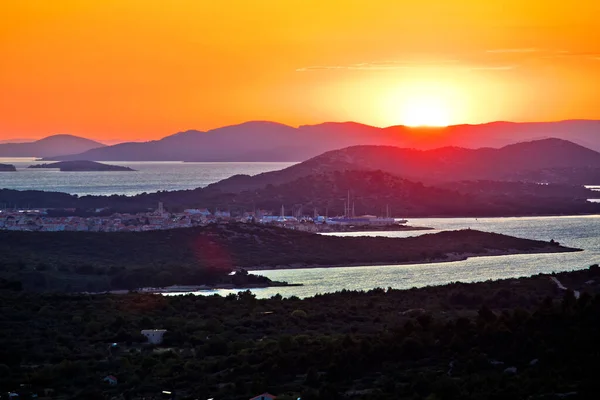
459	341
96	261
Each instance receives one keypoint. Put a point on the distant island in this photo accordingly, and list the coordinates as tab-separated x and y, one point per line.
50	146
82	166
7	168
92	262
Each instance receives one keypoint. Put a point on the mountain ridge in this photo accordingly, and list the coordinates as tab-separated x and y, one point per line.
272	141
49	146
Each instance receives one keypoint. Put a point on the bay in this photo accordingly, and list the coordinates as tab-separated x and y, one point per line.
573	231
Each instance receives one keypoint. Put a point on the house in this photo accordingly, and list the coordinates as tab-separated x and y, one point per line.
111	380
154	336
264	396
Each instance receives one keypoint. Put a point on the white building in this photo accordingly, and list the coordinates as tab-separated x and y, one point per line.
155	336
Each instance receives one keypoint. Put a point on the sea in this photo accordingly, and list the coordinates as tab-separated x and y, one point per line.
148	177
581	232
574	231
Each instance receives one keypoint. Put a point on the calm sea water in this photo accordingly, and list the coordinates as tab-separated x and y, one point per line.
148	177
580	232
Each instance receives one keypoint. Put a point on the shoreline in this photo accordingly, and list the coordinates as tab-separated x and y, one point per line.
192	288
367	229
451	258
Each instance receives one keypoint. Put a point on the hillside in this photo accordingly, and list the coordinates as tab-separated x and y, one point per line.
455	341
49	147
81	166
372	192
270	141
124	260
546	159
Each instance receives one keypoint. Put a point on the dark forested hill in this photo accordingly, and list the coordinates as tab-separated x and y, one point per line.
121	260
371	192
510	339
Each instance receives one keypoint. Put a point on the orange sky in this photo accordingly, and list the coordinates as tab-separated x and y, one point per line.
133	69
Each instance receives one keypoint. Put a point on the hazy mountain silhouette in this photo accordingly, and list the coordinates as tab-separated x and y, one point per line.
270	141
16	140
49	147
521	161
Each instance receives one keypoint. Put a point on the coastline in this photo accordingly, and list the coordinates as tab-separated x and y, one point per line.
367	229
450	258
193	288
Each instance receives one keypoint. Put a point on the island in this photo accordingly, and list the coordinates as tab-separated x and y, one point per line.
7	168
216	255
82	166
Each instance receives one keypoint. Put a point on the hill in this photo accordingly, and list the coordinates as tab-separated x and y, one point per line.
7	168
516	338
128	260
81	166
372	192
270	141
49	147
529	161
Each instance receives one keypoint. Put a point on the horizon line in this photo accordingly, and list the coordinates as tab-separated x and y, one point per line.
113	142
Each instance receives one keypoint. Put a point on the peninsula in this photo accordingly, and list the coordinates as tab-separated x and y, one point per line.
207	255
82	166
7	168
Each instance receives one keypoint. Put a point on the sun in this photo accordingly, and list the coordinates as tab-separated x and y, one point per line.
425	110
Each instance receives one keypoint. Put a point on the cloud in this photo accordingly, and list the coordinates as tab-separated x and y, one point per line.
377	66
493	68
521	50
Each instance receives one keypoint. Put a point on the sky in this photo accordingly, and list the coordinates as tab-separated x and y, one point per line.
144	69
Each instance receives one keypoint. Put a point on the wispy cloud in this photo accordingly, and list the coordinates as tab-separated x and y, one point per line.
521	50
493	68
378	66
398	65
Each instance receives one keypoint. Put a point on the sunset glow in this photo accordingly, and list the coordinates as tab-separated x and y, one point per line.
144	69
425	111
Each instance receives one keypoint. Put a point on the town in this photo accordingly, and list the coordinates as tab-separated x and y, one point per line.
161	219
